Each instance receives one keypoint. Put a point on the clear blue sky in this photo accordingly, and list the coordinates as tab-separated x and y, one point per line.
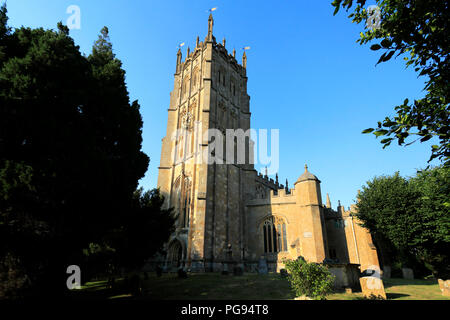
307	77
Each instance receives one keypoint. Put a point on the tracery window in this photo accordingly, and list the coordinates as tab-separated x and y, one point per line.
195	79
181	200
274	234
185	87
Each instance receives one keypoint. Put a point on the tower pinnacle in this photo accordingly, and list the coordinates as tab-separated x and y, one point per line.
179	57
328	202
210	27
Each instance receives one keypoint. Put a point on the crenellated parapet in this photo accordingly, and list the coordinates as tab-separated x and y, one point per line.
268	182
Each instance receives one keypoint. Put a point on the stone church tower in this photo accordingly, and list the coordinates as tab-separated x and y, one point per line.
210	92
228	214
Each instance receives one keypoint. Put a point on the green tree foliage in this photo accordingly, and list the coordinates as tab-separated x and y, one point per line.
145	231
309	279
412	215
433	207
418	30
70	152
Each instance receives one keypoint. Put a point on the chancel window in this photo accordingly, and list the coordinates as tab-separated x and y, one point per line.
274	235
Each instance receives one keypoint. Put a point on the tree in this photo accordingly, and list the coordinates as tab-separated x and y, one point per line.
412	215
70	152
146	229
433	208
386	207
418	28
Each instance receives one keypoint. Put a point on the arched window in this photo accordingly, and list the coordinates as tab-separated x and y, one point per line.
181	200
185	88
195	79
186	209
274	234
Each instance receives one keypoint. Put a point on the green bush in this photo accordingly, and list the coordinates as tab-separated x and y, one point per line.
309	279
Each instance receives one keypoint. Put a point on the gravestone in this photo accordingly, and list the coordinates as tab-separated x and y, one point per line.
237	271
158	271
372	288
262	266
135	285
444	285
371	284
182	274
408	273
224	269
386	272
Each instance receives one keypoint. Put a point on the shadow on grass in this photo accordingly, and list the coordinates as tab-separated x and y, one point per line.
393	296
197	287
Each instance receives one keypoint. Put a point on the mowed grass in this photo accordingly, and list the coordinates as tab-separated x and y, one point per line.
219	287
214	286
402	289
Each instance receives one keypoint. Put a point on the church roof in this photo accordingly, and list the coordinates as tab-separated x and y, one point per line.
307	176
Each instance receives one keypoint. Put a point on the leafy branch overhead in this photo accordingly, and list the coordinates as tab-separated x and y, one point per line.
418	31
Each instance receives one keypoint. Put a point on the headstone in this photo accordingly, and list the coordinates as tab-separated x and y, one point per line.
225	269
386	272
262	266
159	271
237	271
444	285
182	274
111	283
372	288
283	273
348	290
407	273
302	298
135	285
371	284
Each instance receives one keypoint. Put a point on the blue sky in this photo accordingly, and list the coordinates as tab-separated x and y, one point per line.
307	77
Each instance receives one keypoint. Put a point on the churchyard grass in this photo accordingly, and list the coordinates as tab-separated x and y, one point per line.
250	286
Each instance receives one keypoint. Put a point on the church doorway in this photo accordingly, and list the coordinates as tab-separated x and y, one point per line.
175	256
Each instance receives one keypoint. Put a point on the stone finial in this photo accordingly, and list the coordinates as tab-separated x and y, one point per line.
210	27
224	42
266	171
276	178
179	57
234	53
328	201
197	42
244	60
306	167
188	51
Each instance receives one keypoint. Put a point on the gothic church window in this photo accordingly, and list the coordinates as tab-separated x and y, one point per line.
185	88
274	235
195	79
181	200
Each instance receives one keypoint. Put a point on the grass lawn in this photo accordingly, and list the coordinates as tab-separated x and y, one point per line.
214	286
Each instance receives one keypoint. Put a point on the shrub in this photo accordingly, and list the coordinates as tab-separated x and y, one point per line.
309	279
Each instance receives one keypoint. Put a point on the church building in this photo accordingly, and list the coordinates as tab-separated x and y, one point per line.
229	214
